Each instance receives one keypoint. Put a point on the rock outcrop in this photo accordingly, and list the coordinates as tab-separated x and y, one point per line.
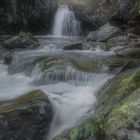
29	15
26	118
117	111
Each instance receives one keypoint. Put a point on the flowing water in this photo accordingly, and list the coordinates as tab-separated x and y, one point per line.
72	92
65	23
73	99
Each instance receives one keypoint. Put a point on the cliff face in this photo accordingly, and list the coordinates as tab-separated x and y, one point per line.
31	15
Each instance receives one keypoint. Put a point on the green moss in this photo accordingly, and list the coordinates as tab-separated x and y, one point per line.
12	105
47	63
124	112
93	67
119	102
105	47
137	7
81	132
115	63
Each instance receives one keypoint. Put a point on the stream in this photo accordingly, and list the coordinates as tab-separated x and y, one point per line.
74	98
67	97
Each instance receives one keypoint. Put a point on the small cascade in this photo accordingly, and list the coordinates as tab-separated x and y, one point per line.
65	23
67	74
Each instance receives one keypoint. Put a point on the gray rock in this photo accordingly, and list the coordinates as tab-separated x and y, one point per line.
131	50
92	36
104	33
118	41
8	58
74	46
26	118
92	45
3	52
23	40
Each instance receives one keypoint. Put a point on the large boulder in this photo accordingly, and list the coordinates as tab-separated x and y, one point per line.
104	33
74	46
117	111
118	41
54	70
26	118
23	40
31	15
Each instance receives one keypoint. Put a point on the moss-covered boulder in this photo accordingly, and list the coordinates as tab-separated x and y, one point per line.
105	47
117	111
119	64
84	131
26	118
60	70
23	40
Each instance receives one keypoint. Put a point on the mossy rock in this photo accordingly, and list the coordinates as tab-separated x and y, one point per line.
82	132
26	117
47	63
86	67
23	40
136	9
53	70
105	47
117	113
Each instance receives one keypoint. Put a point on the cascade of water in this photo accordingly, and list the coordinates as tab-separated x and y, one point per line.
62	85
65	23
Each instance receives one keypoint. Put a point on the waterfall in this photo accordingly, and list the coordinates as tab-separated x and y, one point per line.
65	23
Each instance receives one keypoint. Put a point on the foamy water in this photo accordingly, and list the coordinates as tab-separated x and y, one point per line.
71	103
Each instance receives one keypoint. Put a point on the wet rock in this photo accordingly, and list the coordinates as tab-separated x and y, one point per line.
85	131
132	36
92	45
124	7
23	40
118	41
52	70
4	37
131	50
26	118
32	57
75	46
105	47
104	33
118	65
117	111
8	58
3	52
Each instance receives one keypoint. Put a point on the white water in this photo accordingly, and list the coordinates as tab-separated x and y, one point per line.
65	23
71	103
